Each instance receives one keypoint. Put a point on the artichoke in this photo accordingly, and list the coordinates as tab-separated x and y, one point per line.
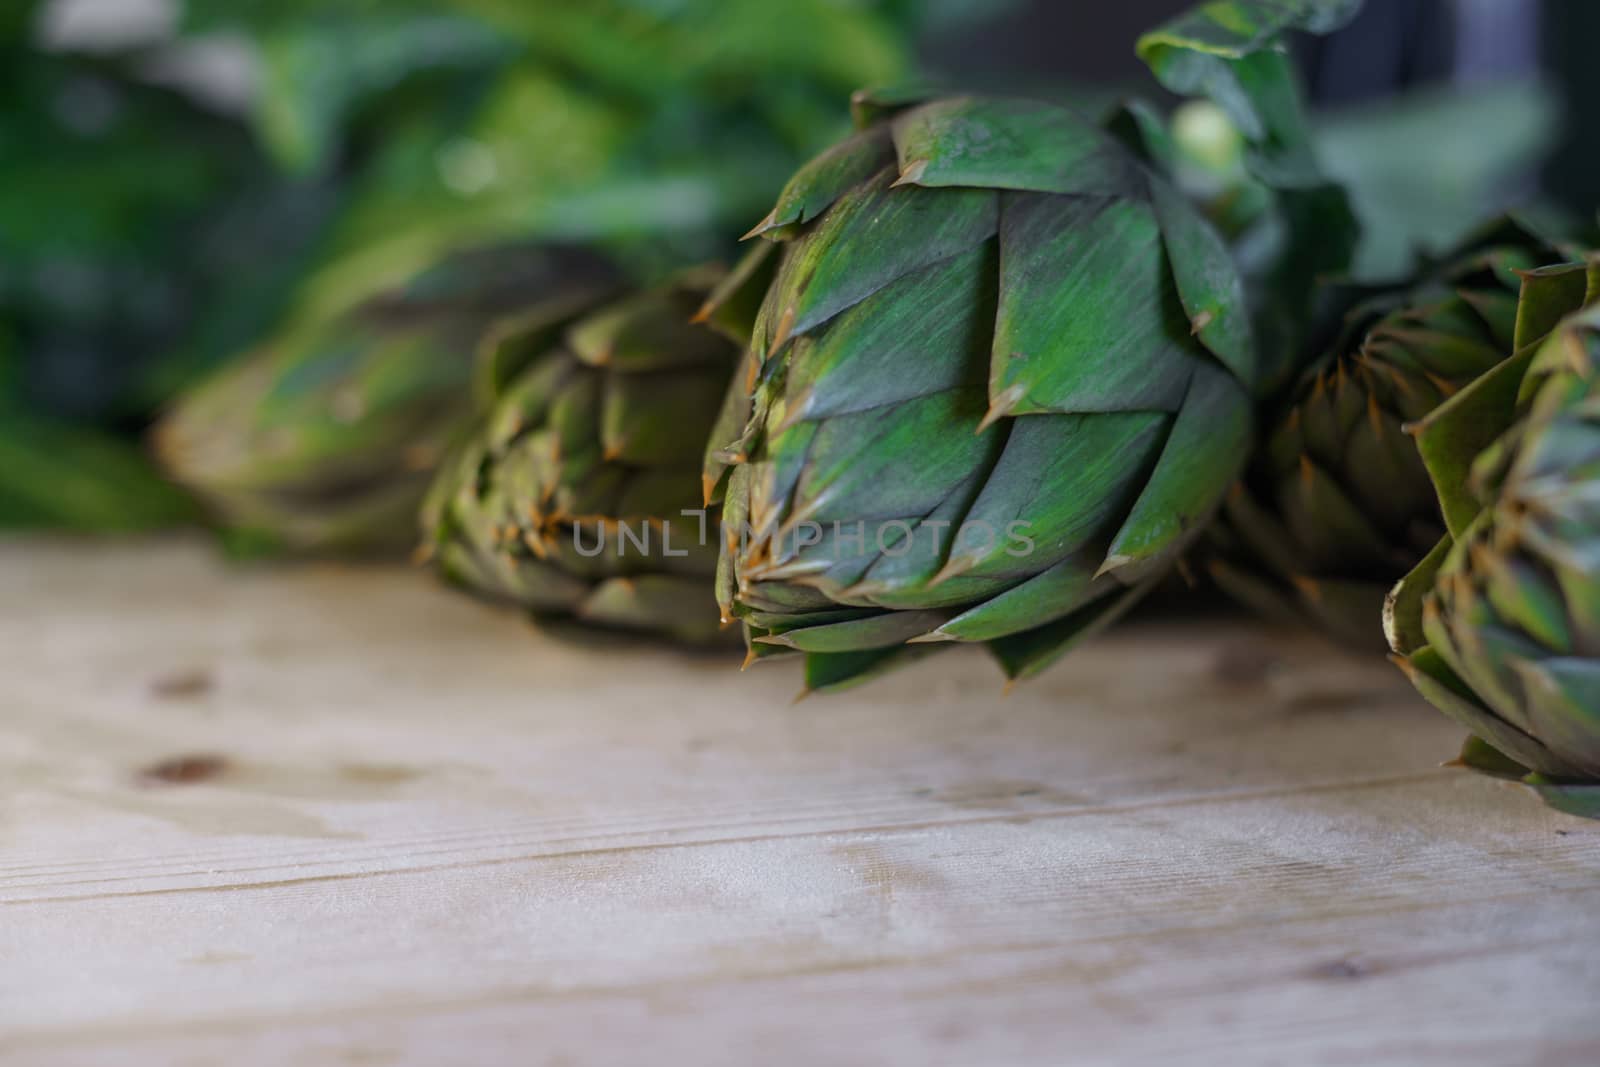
577	496
1000	379
326	438
1338	504
1500	626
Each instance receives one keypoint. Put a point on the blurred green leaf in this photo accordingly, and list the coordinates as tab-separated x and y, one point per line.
143	236
17	21
1231	51
1478	142
736	45
111	185
63	477
546	156
654	127
317	72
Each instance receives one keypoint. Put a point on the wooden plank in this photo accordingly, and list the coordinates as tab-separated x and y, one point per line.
329	813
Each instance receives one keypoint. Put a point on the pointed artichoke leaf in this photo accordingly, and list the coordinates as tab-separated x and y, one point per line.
1351	611
871	237
1402	609
1089	318
540	587
925	333
1387	475
1000	143
802	604
821	182
903	574
755	651
733	304
1206	450
1029	654
1445	690
509	347
1062	484
1054	593
651	331
777	622
525	400
1520	594
888	630
1484	758
679	606
1142	130
774	476
1563	695
1549	294
643	417
855	467
729	435
660	493
1266	599
835	672
1454	434
1269	539
1208	282
1573	348
868	107
1485	653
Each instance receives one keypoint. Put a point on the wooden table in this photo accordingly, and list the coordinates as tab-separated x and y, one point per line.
337	815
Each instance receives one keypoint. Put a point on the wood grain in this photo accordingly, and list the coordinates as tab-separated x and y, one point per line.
337	815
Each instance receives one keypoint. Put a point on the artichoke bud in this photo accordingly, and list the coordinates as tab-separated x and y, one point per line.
1501	629
998	381
326	437
577	495
1339	502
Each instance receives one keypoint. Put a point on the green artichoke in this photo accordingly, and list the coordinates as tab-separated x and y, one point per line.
1338	504
578	495
326	438
1000	379
1500	627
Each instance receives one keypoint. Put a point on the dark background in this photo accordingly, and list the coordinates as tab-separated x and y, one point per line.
1394	46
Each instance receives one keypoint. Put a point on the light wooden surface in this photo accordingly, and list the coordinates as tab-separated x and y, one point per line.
327	815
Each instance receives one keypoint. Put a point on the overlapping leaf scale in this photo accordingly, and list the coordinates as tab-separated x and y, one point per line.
569	500
1509	635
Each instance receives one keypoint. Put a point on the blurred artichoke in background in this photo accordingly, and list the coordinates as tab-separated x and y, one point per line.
448	127
570	499
1500	627
1001	378
325	438
1338	503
